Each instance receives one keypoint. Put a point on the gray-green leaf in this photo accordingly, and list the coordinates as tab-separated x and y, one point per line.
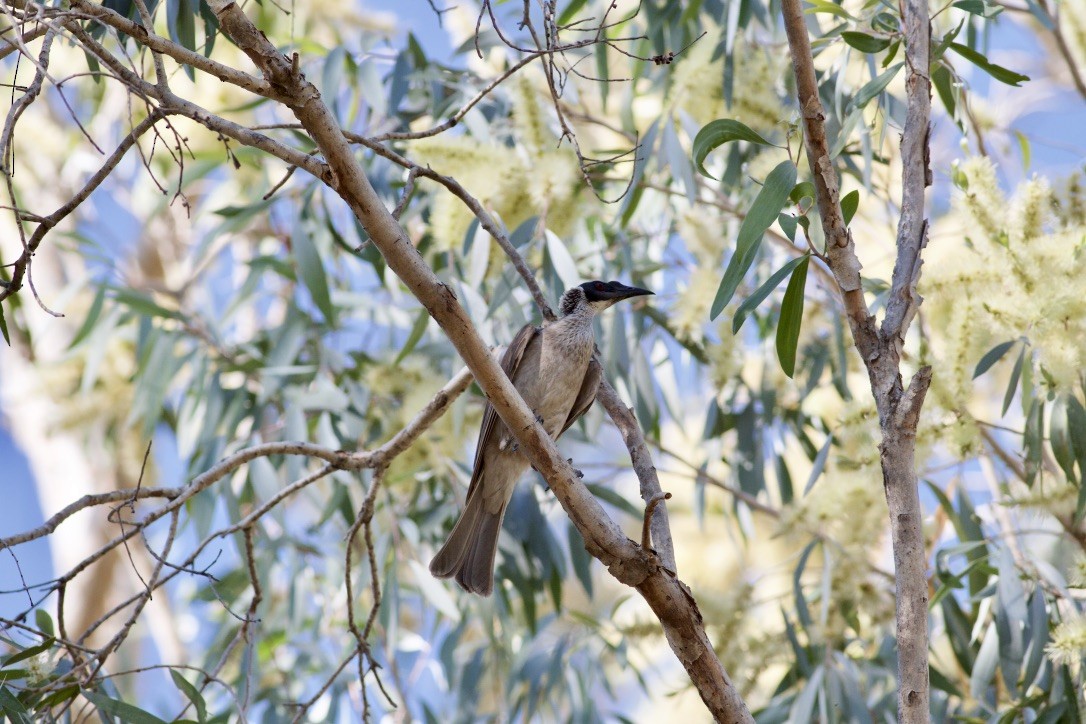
763	212
791	318
717	133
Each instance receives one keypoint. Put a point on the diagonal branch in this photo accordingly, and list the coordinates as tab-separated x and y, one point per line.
629	563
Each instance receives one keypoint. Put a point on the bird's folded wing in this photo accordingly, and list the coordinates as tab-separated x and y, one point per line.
514	353
587	394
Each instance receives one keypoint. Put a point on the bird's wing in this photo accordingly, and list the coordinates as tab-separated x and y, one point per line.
587	394
514	353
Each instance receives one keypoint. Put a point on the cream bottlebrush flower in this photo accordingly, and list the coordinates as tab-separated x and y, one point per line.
1076	576
1068	641
544	180
1010	275
697	84
702	234
691	311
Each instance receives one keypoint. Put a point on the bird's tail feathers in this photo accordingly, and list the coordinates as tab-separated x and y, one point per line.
472	546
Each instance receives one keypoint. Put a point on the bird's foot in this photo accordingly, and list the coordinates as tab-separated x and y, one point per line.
576	472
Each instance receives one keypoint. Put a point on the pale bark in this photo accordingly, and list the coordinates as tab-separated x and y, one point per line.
880	347
604	539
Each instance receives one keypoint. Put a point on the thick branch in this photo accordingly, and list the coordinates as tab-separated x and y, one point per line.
603	537
840	250
899	408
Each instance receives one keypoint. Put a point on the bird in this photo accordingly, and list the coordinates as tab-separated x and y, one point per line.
550	367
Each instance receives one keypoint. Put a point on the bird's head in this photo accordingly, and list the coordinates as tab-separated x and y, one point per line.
598	295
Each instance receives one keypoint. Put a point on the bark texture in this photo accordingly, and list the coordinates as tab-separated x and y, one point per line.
880	346
604	539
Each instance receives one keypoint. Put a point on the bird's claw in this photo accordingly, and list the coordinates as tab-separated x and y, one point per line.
576	472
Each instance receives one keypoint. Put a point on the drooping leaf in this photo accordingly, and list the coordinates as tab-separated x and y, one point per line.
191	693
763	212
718	132
751	303
819	464
1003	75
1012	383
1059	437
311	272
92	316
4	326
791	318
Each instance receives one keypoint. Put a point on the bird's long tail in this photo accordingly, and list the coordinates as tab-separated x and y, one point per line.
471	548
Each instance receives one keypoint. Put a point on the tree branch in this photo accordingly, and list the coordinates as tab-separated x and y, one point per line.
899	409
604	539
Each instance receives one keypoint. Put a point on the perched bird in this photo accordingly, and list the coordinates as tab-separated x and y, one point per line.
549	366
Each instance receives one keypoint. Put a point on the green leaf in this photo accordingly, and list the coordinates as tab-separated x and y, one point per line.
819	464
92	316
1012	384
825	6
791	318
976	7
1033	439
873	87
610	496
850	202
572	9
763	212
1076	426
311	272
1003	75
943	82
143	304
1059	437
27	653
417	330
718	132
13	708
45	623
58	697
864	42
1023	148
191	693
802	190
991	357
126	712
751	303
4	326
788	224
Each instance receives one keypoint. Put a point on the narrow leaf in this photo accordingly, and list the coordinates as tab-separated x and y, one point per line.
873	87
4	326
991	357
417	330
1012	384
1059	437
1003	75
192	694
717	133
791	318
751	303
311	272
92	316
864	42
763	212
122	710
819	464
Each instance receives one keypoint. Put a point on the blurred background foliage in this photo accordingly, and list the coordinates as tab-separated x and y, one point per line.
209	306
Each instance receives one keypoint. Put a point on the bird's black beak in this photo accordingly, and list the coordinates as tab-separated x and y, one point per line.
625	292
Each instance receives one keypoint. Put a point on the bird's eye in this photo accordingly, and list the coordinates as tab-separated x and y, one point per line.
598	286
